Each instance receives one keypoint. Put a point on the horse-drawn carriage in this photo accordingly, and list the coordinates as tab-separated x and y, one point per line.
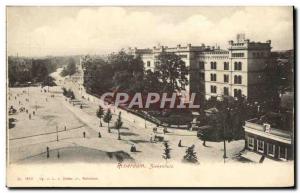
158	138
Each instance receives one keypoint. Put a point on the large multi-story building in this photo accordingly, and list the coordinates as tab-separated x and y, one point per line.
188	54
215	72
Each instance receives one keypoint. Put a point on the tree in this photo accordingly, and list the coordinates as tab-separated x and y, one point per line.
166	155
151	82
22	70
70	69
71	94
128	71
118	125
100	113
172	72
190	155
48	81
107	118
97	75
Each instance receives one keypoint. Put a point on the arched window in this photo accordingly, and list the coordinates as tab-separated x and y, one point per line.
213	89
237	92
226	65
226	91
237	79
213	65
240	66
237	65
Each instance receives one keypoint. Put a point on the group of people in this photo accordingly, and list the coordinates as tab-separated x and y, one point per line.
12	110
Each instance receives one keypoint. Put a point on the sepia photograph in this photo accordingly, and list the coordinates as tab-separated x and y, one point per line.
150	96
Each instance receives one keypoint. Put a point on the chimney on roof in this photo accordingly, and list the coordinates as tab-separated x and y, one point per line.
240	37
269	41
178	45
189	45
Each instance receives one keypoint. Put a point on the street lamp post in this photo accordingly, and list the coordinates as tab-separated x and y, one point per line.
28	88
224	130
145	122
57	133
224	155
48	83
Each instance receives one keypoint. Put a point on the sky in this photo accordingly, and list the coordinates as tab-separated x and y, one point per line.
40	31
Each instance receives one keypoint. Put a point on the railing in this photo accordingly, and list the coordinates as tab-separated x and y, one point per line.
254	126
272	131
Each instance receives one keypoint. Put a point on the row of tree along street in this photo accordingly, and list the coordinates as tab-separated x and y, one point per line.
189	157
23	71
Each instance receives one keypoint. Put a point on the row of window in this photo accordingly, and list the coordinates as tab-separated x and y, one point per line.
258	54
213	65
237	78
156	63
260	147
237	92
236	55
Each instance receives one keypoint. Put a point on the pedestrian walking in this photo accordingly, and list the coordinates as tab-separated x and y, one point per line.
165	130
84	134
33	112
133	148
65	128
99	135
29	116
179	144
